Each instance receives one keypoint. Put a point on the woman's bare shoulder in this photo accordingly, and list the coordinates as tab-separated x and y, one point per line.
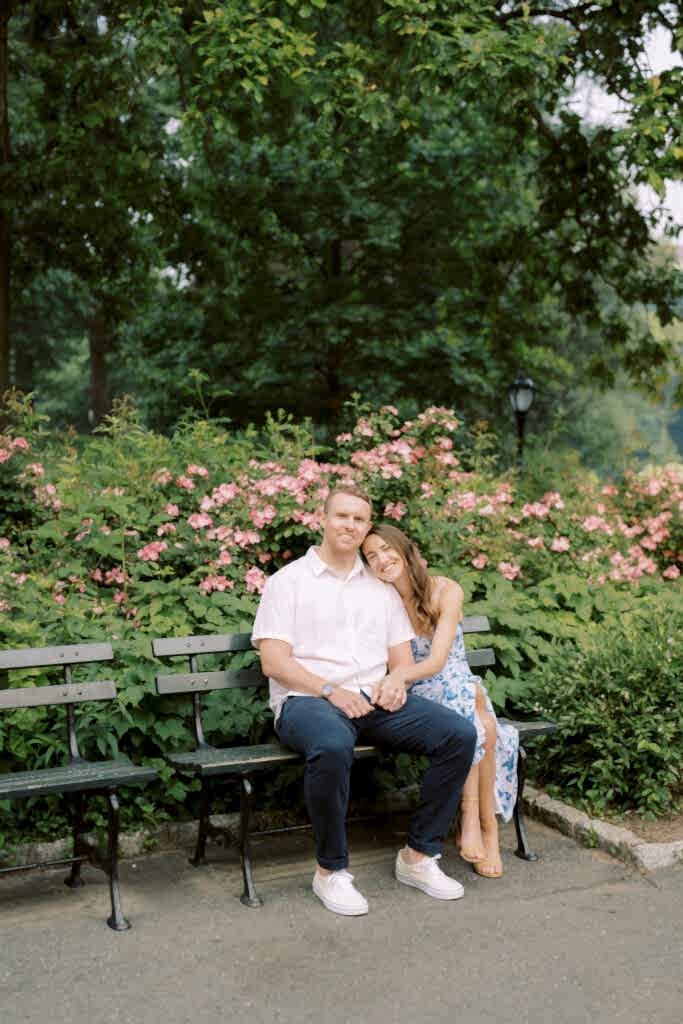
446	591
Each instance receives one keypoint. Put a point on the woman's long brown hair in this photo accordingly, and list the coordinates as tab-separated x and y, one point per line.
420	580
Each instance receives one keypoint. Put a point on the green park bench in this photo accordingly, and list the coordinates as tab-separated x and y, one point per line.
78	777
208	763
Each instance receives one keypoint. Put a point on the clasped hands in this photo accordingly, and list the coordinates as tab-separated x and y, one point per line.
390	695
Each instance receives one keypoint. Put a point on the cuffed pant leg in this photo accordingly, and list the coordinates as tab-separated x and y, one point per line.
423	727
326	738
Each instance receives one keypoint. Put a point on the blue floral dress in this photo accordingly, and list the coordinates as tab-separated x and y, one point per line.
455	687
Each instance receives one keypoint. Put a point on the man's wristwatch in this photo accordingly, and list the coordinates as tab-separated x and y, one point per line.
327	691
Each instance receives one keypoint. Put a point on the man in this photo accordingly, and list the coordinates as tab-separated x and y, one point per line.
329	633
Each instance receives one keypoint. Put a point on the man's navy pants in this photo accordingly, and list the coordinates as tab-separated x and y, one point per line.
326	737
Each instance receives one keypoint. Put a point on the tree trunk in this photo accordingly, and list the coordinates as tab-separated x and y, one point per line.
99	343
5	238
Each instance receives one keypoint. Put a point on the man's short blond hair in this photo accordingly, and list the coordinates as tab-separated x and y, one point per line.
352	489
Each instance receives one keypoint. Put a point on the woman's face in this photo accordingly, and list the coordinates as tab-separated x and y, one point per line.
386	562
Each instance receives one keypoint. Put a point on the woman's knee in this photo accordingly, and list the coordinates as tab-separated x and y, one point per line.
480	699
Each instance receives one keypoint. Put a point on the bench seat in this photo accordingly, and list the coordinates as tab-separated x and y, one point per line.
73	778
235	760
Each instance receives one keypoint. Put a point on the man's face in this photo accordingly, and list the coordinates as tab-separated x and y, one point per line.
346	523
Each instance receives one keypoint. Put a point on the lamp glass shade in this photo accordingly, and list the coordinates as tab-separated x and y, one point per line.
522	394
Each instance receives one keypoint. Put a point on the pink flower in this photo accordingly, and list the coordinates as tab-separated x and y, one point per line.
21	443
480	562
4	544
185	482
243	538
255	580
553	499
5	606
162	476
199	520
560	544
120	597
610	491
151	552
36	468
172	510
225	558
211	583
592	523
509	570
671	573
395	510
262	516
194	470
343	438
536	509
59	598
427	490
115	575
165	528
105	530
535	542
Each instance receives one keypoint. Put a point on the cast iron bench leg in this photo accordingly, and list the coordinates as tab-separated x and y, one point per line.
199	857
249	897
117	921
523	849
74	880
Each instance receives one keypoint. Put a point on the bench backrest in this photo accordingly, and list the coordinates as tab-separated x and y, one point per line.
197	682
68	692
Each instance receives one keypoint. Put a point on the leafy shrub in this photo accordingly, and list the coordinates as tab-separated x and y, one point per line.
129	535
617	696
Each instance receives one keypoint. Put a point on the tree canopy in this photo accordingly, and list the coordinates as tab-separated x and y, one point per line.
303	199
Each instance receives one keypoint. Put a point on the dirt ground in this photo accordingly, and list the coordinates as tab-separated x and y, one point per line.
668	829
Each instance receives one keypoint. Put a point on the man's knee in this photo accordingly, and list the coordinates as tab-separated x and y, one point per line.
465	735
332	753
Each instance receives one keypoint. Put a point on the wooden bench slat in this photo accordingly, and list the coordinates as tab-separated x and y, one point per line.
227	760
166	647
66	693
475	624
66	654
484	656
77	776
528	730
201	682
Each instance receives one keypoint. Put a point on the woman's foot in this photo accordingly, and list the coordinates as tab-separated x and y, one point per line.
469	836
491	864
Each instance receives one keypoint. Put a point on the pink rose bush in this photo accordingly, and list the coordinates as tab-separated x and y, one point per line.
214	526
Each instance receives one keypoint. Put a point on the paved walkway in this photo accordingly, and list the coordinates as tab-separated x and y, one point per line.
577	937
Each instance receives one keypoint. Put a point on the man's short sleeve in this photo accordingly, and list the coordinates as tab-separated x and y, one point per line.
400	628
275	616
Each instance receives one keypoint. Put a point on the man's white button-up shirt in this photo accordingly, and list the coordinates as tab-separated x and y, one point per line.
339	629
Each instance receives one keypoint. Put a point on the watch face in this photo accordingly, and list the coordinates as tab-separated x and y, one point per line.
327	690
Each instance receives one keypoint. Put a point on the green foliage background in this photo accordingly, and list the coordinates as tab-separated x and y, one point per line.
80	517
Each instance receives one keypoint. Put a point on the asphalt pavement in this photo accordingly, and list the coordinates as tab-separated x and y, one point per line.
575	937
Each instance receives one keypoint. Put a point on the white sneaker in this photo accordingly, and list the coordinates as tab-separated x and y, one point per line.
428	876
338	893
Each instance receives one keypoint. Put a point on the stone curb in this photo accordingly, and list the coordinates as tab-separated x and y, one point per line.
617	841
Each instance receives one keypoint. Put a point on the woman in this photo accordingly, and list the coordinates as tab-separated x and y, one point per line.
434	605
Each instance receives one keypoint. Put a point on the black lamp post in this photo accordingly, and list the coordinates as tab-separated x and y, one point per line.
521	394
